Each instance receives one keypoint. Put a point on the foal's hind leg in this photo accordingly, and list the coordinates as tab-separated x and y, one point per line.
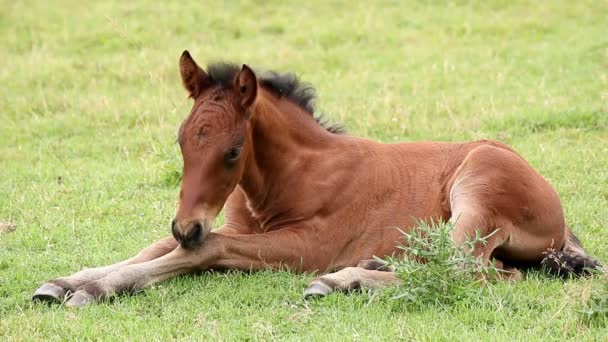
495	191
473	221
57	289
467	226
369	274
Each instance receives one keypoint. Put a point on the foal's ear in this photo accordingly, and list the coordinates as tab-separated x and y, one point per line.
193	77
246	86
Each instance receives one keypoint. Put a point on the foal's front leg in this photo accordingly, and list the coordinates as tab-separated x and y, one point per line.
57	289
291	248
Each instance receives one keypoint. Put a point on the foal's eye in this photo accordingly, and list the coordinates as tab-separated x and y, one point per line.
233	154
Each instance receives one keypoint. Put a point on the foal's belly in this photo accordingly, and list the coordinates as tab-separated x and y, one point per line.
379	234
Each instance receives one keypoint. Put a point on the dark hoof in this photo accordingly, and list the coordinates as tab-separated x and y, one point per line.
79	299
50	293
316	290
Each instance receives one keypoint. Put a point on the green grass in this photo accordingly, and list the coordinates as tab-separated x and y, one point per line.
91	100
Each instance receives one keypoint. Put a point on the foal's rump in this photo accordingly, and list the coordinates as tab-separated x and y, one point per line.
496	189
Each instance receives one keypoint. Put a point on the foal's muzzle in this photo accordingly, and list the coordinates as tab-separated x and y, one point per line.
190	234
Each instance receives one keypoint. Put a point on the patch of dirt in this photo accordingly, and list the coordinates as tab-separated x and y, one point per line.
7	227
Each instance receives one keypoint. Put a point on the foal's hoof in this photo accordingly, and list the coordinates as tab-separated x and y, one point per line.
316	290
79	299
50	293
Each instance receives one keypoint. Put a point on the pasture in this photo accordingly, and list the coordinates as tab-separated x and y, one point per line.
91	101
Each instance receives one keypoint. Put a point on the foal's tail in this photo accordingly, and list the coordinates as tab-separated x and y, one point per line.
571	260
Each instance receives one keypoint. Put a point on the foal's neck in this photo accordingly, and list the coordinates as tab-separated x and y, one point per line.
283	138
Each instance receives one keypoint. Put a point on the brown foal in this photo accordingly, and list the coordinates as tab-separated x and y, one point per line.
298	195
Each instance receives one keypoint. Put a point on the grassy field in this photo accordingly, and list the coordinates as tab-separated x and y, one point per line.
91	100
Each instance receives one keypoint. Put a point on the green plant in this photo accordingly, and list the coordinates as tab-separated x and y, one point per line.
435	271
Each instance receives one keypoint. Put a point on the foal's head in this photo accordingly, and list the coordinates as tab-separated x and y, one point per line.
214	141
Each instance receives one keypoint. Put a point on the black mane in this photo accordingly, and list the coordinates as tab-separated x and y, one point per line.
287	85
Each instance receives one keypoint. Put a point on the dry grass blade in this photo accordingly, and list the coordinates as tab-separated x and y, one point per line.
7	227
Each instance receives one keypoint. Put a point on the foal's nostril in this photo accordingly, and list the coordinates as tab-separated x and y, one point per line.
195	232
